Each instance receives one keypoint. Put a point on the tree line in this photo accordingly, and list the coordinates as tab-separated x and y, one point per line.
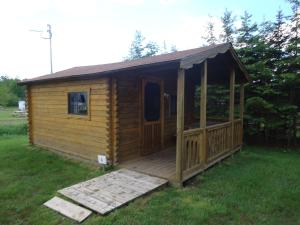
10	91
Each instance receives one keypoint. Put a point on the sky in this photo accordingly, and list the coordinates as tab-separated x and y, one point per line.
93	32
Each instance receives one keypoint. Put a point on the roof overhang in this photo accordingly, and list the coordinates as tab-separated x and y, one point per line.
189	61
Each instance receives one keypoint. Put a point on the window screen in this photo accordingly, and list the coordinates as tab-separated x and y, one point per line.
77	103
152	102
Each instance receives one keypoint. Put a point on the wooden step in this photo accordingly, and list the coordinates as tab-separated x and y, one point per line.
105	193
68	209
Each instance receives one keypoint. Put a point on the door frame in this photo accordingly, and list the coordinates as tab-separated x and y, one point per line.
143	81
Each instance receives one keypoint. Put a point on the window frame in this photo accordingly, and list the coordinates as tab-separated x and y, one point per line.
79	116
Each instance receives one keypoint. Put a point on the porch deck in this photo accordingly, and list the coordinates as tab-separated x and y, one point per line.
201	148
160	164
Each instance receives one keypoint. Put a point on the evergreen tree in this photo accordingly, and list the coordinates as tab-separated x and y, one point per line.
228	27
290	78
136	48
255	52
140	49
210	38
294	40
247	30
151	48
265	29
271	105
279	37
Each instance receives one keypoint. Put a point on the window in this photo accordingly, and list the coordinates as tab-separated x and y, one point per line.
152	102
78	103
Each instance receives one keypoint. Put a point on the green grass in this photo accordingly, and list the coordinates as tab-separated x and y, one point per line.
10	125
256	186
13	129
6	117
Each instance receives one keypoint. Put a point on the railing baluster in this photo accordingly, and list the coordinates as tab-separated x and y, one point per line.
218	142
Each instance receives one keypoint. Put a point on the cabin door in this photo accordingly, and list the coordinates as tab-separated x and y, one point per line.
152	115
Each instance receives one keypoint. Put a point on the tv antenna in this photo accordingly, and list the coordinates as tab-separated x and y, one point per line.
49	31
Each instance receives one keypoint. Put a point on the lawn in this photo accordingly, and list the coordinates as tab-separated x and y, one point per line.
256	186
10	124
6	116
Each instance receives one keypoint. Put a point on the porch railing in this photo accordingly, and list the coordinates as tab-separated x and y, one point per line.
237	133
191	155
202	147
218	140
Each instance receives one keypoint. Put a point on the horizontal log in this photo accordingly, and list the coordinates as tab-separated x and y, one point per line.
97	132
73	140
82	151
101	81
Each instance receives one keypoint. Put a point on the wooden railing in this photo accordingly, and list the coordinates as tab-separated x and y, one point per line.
237	133
204	147
191	156
218	140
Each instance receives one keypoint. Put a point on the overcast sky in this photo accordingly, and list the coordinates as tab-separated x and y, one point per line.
94	31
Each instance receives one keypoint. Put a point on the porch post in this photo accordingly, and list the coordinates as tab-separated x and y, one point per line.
242	100
180	124
203	99
242	105
231	103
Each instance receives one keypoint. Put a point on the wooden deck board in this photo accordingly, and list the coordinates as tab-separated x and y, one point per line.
68	209
110	191
161	164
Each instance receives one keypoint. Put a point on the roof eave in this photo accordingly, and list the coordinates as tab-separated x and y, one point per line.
99	74
190	61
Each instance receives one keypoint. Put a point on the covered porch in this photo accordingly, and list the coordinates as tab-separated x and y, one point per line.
201	136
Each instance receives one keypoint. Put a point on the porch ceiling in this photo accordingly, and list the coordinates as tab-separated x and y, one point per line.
218	70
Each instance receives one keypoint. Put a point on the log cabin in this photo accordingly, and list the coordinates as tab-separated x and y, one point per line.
141	114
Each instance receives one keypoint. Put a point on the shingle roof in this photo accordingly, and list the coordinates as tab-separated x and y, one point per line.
186	58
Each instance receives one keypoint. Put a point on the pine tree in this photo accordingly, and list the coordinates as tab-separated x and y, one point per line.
139	49
255	52
210	38
290	78
271	57
279	37
265	29
136	48
247	30
228	27
294	40
151	48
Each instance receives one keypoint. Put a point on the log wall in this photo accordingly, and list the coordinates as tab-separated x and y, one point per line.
52	127
129	115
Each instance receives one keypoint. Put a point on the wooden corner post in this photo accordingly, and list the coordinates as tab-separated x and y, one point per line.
203	100
113	122
180	124
231	102
29	114
242	100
